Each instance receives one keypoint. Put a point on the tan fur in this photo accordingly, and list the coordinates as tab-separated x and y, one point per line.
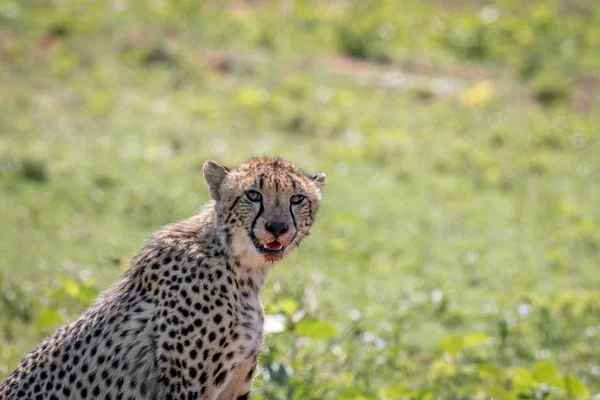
185	322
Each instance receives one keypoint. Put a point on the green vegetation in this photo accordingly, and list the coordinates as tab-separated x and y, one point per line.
456	254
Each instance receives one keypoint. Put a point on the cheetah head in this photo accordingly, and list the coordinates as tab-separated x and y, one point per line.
265	207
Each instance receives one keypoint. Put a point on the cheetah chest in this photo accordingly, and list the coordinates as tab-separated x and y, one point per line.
249	324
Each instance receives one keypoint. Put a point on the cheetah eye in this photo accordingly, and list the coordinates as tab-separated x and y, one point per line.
296	199
253	195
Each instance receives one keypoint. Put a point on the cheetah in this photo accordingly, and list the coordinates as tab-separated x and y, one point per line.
185	321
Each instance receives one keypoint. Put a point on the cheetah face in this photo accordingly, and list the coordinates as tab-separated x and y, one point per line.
265	207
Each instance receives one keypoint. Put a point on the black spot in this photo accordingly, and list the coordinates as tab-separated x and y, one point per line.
250	375
220	378
203	377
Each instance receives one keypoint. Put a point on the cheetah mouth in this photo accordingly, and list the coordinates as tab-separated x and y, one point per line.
274	247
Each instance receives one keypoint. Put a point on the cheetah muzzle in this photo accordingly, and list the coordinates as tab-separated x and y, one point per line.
185	321
274	247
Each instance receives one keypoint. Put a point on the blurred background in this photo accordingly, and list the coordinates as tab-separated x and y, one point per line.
457	251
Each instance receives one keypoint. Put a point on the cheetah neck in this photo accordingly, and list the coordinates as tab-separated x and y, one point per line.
250	275
252	278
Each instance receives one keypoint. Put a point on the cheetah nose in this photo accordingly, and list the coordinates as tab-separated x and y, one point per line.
276	228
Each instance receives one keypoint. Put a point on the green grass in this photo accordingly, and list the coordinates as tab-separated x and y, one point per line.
456	252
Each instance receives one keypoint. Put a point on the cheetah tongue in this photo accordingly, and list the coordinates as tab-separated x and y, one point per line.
274	245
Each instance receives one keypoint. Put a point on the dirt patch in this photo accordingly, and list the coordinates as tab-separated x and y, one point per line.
243	8
427	80
586	93
431	81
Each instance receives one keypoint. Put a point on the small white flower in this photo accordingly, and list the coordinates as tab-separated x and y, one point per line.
524	309
354	315
436	296
489	14
274	324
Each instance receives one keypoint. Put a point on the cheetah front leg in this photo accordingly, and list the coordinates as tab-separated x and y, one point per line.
241	384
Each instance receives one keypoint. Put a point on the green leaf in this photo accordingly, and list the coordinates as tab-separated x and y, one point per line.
489	370
70	287
522	379
424	395
443	368
575	388
546	372
316	329
288	306
397	391
48	319
476	339
500	393
452	345
355	394
88	293
278	373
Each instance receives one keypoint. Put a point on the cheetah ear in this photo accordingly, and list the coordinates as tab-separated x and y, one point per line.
214	173
319	179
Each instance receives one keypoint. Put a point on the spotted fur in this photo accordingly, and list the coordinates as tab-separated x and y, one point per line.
185	321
